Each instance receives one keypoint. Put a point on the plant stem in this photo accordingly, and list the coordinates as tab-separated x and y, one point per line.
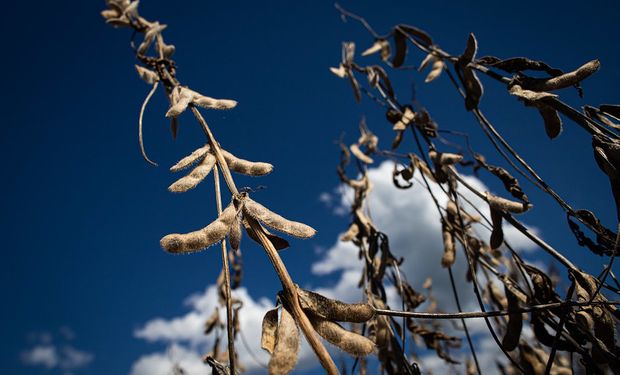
226	270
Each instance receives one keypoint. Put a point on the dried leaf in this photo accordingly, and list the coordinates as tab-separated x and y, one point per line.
341	71
351	233
147	75
203	238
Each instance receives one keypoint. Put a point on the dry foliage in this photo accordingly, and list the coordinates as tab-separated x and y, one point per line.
573	330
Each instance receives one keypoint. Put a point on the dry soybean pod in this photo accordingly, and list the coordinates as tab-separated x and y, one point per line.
235	233
181	99
505	205
203	238
284	356
246	167
564	80
268	334
190	159
331	309
348	341
275	221
195	177
360	155
515	322
449	247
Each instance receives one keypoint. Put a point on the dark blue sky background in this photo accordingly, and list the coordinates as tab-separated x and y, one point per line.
81	213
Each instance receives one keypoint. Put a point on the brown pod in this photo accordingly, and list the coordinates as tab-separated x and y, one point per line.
565	80
212	103
268	334
351	233
181	97
284	356
203	238
553	122
497	234
275	221
505	205
529	95
187	161
278	242
515	322
246	167
195	177
331	309
348	341
438	67
449	248
444	158
147	75
234	237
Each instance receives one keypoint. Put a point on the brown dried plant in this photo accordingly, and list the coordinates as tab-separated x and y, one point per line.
510	292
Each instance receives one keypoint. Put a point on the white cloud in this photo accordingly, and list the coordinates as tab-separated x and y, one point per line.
41	355
46	353
408	217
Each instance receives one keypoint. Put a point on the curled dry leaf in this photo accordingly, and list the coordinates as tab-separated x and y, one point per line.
331	309
347	341
268	335
147	75
284	355
190	159
246	167
203	238
438	67
360	155
273	220
198	174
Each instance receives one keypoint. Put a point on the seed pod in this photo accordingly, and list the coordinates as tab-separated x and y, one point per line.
246	167
529	95
109	14
203	238
147	75
331	309
268	335
348	341
515	322
351	233
438	67
454	211
278	242
427	60
505	205
181	97
213	321
379	45
275	221
212	103
564	80
444	158
341	71
284	356
234	236
497	234
449	248
195	177
360	155
190	159
553	122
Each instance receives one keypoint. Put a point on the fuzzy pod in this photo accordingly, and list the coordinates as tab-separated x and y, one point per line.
438	67
284	356
203	238
212	103
147	75
181	97
454	211
529	95
190	159
449	248
515	322
198	174
234	237
331	309
360	155
340	71
444	158
348	341
553	122
246	167
268	334
278	242
497	234
564	80
275	221
505	205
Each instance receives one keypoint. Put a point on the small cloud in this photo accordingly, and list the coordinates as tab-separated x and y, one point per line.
55	356
326	198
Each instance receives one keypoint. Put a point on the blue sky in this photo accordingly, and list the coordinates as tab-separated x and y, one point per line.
81	212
